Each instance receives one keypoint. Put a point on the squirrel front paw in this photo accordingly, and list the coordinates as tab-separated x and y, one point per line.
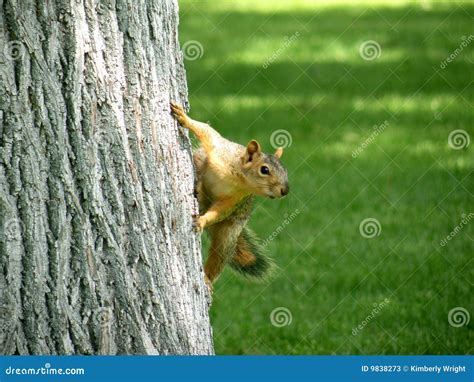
199	222
178	112
208	284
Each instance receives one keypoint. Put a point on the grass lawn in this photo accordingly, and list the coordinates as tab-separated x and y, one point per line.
300	67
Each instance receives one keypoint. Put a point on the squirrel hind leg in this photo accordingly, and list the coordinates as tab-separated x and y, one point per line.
214	264
249	259
220	250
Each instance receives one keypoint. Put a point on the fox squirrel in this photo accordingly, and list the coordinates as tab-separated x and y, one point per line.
229	176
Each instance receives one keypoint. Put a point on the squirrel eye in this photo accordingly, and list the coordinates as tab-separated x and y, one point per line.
264	170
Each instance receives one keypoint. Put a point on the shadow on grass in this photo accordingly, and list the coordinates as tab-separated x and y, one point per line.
321	90
413	44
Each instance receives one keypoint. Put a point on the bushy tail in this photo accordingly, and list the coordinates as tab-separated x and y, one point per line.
249	259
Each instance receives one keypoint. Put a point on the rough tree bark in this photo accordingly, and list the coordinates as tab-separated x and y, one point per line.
98	255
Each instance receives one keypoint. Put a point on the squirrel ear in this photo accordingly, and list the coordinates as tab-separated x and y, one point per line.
253	147
279	152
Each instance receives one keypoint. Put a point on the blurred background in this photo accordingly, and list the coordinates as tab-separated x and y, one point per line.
374	104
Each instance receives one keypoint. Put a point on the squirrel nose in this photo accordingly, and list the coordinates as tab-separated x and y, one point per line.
285	190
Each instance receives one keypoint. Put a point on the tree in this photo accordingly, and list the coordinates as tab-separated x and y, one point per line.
98	254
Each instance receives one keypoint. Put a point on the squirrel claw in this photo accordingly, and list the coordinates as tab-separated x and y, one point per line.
197	223
178	112
209	284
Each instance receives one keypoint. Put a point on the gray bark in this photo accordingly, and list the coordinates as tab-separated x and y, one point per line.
97	250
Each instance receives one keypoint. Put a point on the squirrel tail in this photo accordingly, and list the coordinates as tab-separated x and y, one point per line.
250	259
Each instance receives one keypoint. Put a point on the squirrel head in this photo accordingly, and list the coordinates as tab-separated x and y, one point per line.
264	173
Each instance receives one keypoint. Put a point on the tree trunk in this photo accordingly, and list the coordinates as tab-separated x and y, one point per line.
98	254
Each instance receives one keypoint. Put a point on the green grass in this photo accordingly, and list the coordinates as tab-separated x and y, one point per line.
328	98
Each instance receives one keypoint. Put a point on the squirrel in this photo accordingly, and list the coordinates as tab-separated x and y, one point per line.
229	176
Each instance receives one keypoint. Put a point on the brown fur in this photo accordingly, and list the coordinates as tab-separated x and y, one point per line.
228	177
243	257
